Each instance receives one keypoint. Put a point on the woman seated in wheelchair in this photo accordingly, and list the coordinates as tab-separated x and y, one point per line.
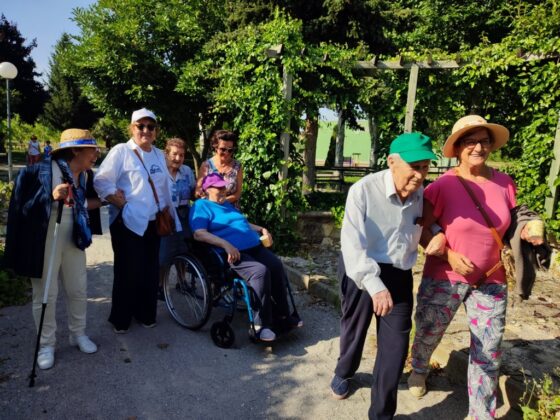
217	222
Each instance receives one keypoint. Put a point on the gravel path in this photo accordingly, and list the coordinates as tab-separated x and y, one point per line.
172	373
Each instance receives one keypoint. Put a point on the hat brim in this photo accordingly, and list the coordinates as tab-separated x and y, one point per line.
417	155
221	184
78	144
500	135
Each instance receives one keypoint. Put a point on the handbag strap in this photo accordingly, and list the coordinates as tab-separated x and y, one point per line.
150	181
493	230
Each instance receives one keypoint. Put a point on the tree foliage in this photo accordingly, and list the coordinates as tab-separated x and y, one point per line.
67	106
248	96
130	54
204	64
526	64
27	96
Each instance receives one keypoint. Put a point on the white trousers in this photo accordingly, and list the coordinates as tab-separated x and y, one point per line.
69	267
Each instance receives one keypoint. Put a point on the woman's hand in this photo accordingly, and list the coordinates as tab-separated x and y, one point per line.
117	199
459	263
533	240
233	254
61	191
436	246
265	232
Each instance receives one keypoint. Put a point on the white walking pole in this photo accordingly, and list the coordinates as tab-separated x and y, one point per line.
46	294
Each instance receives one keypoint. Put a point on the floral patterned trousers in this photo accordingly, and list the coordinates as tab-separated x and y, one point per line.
437	303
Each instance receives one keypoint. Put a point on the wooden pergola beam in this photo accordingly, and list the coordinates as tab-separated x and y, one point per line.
370	67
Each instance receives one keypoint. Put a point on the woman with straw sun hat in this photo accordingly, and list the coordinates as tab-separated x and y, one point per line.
472	204
31	224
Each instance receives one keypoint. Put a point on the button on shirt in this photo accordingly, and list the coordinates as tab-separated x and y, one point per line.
379	228
182	186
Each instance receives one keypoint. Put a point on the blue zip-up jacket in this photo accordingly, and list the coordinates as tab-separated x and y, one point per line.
28	218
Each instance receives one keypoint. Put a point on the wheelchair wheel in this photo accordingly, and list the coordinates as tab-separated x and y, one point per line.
222	334
187	294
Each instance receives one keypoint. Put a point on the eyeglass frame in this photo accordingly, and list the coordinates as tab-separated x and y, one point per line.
471	143
229	150
140	126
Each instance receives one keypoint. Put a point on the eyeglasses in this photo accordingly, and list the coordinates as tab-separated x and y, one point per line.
141	127
471	143
226	149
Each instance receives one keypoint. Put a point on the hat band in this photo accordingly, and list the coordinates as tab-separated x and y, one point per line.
78	142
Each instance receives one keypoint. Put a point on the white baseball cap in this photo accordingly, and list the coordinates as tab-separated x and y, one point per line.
142	113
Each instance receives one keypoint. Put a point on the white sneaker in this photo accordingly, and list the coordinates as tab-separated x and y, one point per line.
45	358
266	334
84	343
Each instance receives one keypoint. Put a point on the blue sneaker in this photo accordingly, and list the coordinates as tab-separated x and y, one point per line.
339	387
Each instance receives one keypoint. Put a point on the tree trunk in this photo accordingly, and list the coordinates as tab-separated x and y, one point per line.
191	148
329	160
339	152
310	135
372	126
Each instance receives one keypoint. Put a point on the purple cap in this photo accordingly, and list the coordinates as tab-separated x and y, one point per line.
213	180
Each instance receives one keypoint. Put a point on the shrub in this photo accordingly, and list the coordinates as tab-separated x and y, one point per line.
546	392
14	290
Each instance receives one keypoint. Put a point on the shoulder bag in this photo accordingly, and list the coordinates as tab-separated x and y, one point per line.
506	254
165	224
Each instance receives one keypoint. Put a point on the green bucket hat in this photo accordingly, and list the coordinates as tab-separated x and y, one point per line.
413	147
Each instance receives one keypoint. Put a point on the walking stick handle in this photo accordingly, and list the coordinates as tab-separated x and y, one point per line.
59	211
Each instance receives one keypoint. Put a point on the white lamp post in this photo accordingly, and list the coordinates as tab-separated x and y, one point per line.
8	71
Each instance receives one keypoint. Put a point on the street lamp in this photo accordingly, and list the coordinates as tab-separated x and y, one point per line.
8	71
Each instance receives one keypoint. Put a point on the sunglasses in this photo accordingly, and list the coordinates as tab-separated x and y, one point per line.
471	143
150	127
226	149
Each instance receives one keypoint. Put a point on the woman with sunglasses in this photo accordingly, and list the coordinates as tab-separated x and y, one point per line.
129	178
223	143
467	269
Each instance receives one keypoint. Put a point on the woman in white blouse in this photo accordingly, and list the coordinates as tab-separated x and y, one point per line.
123	181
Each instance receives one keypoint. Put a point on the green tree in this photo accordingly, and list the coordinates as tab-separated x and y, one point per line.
525	64
66	107
27	95
357	26
131	53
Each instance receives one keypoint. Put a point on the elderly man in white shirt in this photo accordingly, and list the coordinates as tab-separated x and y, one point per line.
379	241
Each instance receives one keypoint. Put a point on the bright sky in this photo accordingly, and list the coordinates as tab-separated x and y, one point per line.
44	20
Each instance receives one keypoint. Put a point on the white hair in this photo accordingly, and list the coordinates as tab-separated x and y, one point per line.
395	156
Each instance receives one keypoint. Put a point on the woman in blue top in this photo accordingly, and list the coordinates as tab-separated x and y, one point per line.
182	181
217	222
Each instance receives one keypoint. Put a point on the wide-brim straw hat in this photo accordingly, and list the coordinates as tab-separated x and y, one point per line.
75	137
500	134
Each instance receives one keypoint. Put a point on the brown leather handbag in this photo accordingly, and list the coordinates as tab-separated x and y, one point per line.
165	223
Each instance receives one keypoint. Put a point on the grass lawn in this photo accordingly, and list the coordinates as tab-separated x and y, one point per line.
354	142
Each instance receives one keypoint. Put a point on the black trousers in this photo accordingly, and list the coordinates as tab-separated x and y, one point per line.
393	332
135	269
265	273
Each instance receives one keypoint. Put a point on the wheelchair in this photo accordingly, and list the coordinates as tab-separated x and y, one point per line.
202	279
